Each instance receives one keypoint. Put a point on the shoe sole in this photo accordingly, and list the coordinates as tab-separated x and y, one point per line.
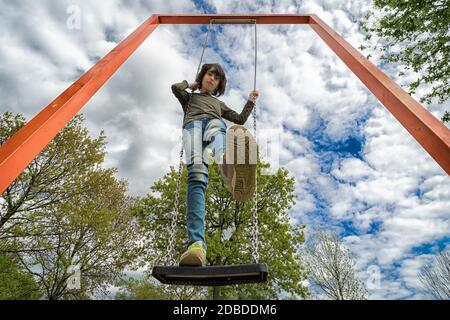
192	260
244	178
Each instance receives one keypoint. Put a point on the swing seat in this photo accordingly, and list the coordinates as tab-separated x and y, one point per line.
212	275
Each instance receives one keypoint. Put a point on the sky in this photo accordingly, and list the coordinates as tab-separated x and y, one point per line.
357	170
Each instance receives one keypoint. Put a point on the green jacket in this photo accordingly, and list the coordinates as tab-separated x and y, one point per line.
204	105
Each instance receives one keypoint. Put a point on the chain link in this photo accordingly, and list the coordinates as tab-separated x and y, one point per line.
170	256
255	230
170	259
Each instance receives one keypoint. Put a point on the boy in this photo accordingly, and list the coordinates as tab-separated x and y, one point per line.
203	128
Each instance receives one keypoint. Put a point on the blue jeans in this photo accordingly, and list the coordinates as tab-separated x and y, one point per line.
200	137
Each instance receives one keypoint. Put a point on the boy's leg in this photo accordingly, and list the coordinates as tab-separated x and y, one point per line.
195	206
197	182
214	136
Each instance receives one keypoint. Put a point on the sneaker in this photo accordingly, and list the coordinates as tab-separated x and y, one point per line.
194	256
239	176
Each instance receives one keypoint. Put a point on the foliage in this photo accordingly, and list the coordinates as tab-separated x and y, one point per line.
414	33
228	230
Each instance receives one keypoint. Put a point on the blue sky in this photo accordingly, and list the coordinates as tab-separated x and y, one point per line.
357	170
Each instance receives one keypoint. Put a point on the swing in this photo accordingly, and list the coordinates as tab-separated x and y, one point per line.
214	275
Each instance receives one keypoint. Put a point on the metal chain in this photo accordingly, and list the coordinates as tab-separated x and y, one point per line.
170	256
255	230
170	259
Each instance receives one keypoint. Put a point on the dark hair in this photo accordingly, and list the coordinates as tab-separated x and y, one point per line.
218	71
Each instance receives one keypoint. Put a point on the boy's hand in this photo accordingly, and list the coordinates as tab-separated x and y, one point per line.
253	96
193	86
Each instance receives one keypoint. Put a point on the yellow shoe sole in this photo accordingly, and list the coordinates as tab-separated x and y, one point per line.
192	258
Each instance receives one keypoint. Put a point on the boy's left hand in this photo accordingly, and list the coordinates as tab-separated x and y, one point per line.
253	95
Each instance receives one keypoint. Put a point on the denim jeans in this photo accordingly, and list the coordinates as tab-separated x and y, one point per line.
200	137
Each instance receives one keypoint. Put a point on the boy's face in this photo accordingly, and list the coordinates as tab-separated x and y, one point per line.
210	81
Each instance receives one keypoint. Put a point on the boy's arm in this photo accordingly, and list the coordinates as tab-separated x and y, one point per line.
179	90
235	117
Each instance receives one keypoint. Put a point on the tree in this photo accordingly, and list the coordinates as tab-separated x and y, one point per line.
61	171
414	33
330	267
147	289
94	231
435	279
14	283
133	289
66	210
228	231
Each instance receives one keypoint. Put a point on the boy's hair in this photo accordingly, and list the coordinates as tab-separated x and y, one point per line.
218	71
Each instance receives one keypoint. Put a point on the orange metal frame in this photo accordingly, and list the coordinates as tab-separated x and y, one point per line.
17	153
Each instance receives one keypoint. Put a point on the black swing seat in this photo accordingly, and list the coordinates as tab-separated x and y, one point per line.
212	275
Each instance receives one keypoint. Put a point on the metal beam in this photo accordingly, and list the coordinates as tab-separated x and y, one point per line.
260	18
18	152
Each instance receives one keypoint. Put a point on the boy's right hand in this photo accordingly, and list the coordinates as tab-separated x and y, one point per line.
193	86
